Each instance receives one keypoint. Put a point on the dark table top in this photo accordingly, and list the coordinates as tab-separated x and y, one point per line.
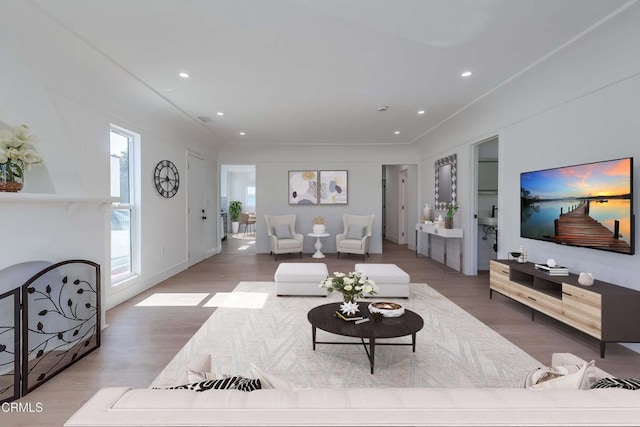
324	317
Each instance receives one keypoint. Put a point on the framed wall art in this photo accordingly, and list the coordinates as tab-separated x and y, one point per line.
303	187
333	186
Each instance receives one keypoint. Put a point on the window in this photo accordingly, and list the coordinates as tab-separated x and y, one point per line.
123	236
251	197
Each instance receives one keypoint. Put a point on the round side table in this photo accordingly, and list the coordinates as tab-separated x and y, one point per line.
318	244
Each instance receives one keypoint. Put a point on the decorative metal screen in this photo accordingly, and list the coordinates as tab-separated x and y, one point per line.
61	319
9	345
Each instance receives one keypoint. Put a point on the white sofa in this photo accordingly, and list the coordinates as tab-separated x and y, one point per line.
123	406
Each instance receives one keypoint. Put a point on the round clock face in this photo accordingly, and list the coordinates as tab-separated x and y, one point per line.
166	178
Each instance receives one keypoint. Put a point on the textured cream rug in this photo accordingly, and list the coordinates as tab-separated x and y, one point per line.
252	325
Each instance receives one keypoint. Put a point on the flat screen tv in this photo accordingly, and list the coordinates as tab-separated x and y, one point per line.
588	205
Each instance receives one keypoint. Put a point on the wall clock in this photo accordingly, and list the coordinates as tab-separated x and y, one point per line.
166	178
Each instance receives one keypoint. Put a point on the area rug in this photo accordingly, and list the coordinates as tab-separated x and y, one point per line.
253	326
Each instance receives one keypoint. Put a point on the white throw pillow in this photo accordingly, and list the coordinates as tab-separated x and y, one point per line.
282	231
576	381
548	373
355	232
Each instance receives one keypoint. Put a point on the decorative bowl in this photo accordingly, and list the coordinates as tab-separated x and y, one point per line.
387	309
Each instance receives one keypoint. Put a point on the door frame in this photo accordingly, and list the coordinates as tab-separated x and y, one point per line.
403	207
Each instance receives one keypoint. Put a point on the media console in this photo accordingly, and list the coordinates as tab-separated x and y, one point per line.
607	312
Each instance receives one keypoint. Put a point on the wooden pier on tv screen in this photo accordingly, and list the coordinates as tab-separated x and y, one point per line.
577	228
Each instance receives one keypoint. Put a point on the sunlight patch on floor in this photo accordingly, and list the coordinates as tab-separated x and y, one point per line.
247	245
173	300
255	300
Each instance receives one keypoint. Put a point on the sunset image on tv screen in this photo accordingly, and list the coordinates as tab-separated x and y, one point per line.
586	205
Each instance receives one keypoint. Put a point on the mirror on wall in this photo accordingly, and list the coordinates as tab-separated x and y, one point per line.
446	181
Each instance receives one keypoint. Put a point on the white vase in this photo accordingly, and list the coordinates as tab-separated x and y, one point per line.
426	212
235	225
318	228
586	279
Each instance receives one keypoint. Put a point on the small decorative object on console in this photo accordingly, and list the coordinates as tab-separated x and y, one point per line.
426	213
452	208
387	309
555	270
523	255
515	254
585	279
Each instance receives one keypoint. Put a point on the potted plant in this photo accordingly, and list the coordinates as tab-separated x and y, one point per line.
235	209
451	211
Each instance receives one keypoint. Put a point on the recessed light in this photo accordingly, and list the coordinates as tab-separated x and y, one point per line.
184	75
220	113
466	74
397	132
242	133
421	112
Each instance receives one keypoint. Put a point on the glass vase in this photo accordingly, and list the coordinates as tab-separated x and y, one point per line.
11	175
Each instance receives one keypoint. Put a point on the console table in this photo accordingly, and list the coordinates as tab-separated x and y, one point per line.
445	233
607	312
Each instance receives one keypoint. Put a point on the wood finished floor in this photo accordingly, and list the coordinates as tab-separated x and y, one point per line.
140	341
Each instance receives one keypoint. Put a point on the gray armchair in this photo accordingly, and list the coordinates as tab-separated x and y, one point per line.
283	238
356	235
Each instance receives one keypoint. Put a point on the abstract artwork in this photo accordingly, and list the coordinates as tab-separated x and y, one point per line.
303	187
333	187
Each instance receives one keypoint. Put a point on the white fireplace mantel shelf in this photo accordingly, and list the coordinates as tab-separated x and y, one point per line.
72	201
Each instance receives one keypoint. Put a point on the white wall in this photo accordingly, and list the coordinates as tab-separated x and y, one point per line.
364	166
577	106
69	95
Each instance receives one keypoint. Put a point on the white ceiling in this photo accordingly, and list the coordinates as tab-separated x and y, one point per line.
314	71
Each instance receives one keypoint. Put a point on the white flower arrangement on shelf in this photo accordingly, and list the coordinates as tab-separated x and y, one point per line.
352	286
17	144
16	153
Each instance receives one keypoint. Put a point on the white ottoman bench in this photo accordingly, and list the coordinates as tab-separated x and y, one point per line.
300	278
392	281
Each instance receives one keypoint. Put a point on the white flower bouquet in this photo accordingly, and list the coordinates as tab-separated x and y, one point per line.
16	151
352	286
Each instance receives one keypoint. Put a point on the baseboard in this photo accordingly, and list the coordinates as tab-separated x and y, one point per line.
138	285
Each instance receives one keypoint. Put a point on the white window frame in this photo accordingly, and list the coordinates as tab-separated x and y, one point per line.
132	205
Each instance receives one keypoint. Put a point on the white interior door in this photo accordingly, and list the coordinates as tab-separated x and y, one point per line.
196	213
403	218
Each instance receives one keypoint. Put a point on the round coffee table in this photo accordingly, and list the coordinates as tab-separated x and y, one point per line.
324	317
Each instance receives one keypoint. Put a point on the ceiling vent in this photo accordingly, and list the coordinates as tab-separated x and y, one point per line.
383	107
205	119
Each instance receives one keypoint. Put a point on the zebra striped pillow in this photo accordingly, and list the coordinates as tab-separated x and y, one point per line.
628	383
231	383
